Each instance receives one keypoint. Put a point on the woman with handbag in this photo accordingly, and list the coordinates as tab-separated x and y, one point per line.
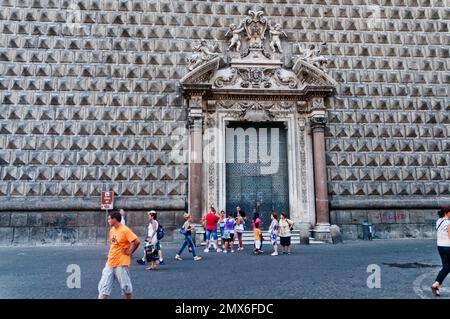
186	230
151	240
285	227
152	243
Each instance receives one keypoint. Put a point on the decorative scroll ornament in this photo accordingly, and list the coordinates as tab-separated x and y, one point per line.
202	53
256	77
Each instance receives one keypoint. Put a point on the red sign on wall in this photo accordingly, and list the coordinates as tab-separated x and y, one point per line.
107	200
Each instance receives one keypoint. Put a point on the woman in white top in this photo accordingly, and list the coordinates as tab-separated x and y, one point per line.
152	241
284	230
443	243
239	230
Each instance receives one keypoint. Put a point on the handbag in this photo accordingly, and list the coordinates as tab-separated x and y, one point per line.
226	234
151	253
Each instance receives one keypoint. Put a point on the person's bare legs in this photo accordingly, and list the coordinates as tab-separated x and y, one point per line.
289	249
207	242
241	244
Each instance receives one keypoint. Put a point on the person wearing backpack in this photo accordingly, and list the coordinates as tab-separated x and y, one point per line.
155	233
152	246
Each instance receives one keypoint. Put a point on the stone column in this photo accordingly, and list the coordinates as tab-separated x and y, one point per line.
195	159
322	228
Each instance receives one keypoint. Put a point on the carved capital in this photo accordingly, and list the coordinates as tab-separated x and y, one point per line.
194	123
195	102
317	104
318	123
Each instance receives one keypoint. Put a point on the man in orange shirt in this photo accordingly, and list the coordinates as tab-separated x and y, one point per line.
123	243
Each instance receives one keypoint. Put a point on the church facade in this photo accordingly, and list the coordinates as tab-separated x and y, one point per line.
334	112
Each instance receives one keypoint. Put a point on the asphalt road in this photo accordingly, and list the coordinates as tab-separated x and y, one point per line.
407	269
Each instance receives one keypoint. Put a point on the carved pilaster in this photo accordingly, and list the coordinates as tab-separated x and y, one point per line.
322	229
195	122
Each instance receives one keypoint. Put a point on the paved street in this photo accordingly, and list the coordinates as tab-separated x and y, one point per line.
408	267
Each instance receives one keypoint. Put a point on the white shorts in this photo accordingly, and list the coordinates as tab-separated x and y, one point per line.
122	274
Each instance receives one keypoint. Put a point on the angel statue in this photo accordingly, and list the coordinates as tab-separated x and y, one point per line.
236	38
312	55
275	33
202	53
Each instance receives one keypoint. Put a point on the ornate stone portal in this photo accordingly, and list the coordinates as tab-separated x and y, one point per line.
255	87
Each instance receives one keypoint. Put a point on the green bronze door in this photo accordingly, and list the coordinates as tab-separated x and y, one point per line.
257	170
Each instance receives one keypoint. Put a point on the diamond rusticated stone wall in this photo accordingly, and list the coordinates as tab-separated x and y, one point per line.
89	100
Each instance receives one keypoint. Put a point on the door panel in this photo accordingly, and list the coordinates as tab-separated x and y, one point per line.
249	184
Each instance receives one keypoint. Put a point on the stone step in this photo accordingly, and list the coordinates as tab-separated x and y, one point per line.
247	237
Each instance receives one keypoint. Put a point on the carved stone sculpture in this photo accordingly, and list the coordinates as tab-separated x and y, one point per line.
275	33
312	55
202	53
236	38
256	26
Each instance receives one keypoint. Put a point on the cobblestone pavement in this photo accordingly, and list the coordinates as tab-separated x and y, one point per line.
408	267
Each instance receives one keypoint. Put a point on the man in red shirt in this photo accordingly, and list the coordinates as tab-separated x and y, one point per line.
211	220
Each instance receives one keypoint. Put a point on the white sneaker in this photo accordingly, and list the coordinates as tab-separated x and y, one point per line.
197	258
232	251
177	257
206	250
218	250
274	254
224	251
